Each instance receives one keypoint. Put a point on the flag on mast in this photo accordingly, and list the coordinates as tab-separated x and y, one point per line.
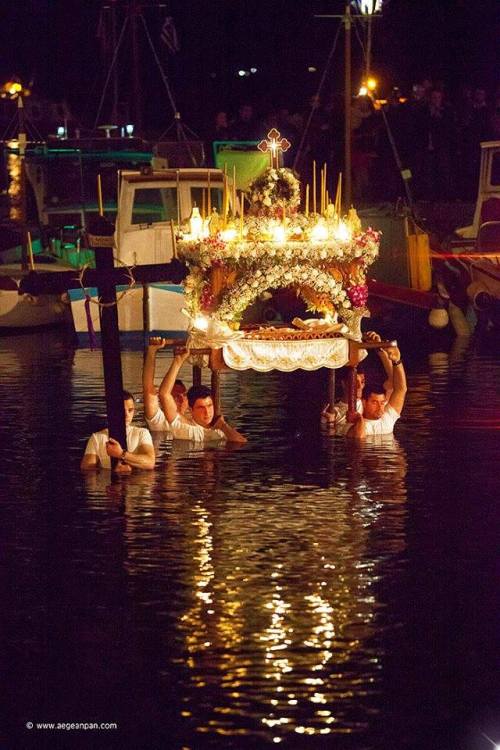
169	36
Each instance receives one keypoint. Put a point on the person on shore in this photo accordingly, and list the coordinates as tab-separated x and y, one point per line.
138	453
202	425
379	415
153	413
338	414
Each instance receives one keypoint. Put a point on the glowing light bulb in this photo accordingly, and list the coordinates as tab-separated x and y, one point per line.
228	234
342	232
319	232
278	233
200	322
196	223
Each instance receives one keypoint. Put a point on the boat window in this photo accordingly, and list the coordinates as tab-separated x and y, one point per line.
495	169
154	204
199	197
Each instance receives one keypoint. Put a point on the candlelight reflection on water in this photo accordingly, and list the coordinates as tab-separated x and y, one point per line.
290	589
300	589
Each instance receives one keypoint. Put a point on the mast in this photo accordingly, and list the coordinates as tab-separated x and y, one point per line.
347	106
114	112
135	11
21	138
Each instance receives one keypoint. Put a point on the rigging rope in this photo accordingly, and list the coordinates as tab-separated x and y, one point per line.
113	62
321	84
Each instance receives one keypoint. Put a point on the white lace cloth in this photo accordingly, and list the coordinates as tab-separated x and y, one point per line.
286	355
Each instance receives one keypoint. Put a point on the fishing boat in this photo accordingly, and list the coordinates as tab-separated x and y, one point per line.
53	191
467	265
152	206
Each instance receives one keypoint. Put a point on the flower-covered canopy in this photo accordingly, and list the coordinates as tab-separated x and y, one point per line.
324	258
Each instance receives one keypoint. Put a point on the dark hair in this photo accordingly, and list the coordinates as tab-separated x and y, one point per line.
127	396
344	372
196	392
179	382
372	388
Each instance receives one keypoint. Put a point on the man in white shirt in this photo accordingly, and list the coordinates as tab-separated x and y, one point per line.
338	415
201	425
139	453
154	414
379	415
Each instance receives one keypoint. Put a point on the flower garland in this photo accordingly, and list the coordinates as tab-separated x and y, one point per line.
213	250
275	188
242	294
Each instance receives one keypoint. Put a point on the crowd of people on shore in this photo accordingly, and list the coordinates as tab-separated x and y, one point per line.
437	138
188	414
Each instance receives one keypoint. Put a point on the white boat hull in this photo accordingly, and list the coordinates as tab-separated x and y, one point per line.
24	311
164	308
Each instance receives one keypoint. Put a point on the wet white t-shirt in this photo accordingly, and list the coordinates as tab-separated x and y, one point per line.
158	422
382	426
185	428
96	444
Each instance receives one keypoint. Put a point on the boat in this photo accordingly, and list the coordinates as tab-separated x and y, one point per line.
152	205
53	186
467	265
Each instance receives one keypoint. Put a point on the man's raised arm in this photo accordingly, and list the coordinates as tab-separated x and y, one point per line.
165	394
149	393
398	395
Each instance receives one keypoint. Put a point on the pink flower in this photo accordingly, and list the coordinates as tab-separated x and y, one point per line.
358	295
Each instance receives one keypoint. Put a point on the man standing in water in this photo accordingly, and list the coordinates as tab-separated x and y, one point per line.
154	414
379	415
202	425
338	415
138	454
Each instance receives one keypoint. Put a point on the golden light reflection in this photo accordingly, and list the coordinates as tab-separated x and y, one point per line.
14	182
277	640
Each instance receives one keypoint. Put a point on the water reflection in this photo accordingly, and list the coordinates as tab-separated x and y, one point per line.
302	589
282	604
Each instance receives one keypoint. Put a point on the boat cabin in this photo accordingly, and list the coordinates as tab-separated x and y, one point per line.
488	194
151	200
63	179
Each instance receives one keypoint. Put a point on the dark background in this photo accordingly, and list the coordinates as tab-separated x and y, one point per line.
54	43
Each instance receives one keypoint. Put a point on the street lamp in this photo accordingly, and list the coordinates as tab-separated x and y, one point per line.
366	10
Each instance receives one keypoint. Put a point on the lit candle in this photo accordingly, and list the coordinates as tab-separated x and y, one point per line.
174	243
203	204
338	196
224	196
242	210
209	198
177	186
99	196
325	202
307	200
30	252
314	187
234	190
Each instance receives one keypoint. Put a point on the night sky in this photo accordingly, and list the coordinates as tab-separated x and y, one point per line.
55	44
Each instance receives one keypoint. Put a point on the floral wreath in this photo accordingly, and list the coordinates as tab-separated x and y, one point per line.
275	188
363	248
240	296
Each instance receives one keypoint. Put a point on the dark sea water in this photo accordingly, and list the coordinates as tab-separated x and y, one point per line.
300	591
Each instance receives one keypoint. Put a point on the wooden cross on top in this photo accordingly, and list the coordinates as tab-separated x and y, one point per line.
275	144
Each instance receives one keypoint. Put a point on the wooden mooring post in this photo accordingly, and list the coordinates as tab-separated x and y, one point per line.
106	278
110	342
